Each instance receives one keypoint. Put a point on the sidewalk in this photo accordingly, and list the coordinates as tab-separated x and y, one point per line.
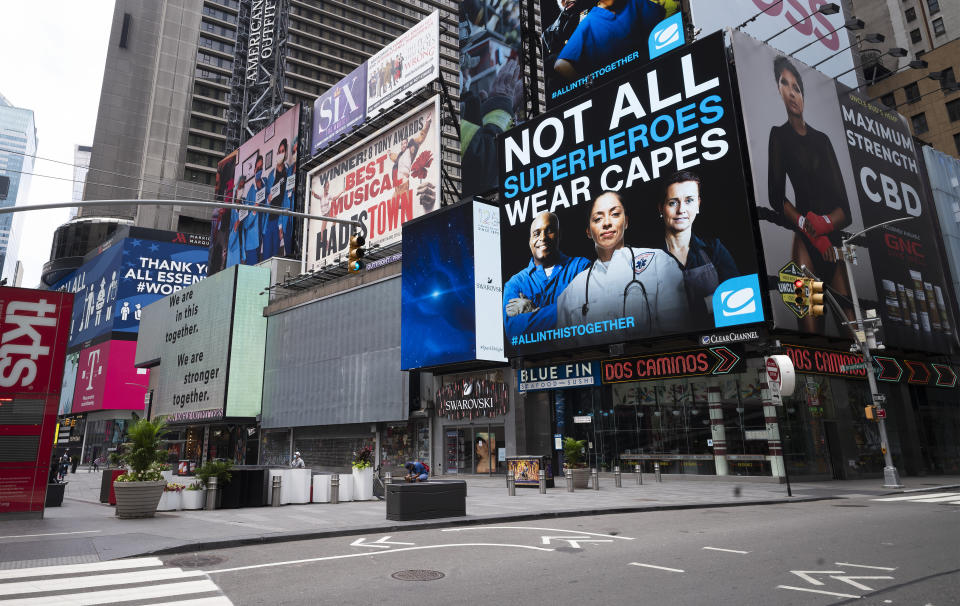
83	530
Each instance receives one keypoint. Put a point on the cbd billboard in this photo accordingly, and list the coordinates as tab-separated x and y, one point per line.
826	162
625	213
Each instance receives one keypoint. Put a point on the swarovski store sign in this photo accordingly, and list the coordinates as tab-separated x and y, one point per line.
558	376
474	396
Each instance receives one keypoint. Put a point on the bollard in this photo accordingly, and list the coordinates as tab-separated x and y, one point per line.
542	475
211	503
596	478
617	479
335	488
656	471
275	496
639	471
387	478
511	486
568	474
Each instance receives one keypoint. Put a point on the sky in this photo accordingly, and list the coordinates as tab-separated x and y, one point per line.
53	64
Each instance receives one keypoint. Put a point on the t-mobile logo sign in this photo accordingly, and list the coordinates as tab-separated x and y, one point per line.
94	369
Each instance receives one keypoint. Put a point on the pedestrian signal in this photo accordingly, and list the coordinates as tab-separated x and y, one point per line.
354	264
815	301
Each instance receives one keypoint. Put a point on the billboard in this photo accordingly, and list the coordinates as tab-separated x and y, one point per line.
106	378
826	162
587	43
33	334
450	293
69	383
404	65
626	214
339	110
793	25
491	87
383	182
114	286
201	341
262	172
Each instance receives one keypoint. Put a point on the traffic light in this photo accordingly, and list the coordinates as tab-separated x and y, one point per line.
354	264
798	289
870	412
815	302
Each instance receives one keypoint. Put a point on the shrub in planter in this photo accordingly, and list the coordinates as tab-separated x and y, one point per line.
171	500
139	490
215	469
573	459
192	496
363	474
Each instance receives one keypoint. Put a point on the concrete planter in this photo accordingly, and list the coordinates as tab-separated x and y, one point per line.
363	484
170	500
137	499
192	499
581	477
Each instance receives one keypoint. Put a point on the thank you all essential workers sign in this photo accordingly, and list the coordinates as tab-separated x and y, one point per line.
625	213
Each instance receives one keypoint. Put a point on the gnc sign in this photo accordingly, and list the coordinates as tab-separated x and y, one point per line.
33	332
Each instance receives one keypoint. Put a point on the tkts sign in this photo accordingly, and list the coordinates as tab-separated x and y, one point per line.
33	331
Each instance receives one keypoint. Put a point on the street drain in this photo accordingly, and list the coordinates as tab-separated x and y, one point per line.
195	561
417	575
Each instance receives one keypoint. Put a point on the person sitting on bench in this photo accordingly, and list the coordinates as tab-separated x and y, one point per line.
417	472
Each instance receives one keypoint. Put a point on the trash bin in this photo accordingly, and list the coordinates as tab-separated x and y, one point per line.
55	494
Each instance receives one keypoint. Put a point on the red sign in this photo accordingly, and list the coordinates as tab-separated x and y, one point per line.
826	361
688	363
773	371
34	326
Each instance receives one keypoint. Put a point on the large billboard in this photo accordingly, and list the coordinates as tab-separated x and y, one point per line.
114	286
396	71
33	334
450	296
106	378
262	172
793	26
626	214
827	162
383	182
210	357
586	43
491	87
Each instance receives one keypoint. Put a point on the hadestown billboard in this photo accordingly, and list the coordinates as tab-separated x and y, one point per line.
382	182
625	212
825	162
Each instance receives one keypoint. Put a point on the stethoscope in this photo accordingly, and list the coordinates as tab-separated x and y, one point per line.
643	289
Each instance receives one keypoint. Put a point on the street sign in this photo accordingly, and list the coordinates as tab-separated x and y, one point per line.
583	419
857	366
879	398
781	376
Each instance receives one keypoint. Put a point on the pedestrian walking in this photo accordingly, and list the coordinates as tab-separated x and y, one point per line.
64	467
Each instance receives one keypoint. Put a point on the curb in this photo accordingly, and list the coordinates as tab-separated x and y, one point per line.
448	522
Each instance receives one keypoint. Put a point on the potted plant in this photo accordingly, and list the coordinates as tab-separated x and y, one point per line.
166	471
171	499
138	491
363	474
192	496
215	469
573	459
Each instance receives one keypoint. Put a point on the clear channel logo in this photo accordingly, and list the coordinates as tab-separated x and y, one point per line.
737	301
666	36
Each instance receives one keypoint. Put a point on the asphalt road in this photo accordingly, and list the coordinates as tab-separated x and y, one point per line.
856	550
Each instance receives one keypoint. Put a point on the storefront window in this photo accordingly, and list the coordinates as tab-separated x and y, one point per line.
475	450
865	433
802	427
402	442
103	437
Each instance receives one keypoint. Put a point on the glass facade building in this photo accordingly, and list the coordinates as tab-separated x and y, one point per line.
18	145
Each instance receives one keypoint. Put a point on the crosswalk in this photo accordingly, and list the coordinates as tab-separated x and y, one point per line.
134	581
948	498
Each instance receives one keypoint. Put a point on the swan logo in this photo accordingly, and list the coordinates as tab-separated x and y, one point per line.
737	301
666	36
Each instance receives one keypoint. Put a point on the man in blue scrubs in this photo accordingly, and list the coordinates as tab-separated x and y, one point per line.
611	30
530	296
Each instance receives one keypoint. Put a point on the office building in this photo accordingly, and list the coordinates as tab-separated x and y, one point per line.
81	166
18	145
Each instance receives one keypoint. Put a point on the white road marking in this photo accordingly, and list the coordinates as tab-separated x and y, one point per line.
657	567
574	541
374	553
805	575
861	586
865	566
107	596
833	593
914	497
47	534
19	573
213	601
103	580
594	534
936	499
382	543
727	550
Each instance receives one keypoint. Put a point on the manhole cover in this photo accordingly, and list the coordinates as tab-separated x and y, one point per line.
851	505
195	561
417	575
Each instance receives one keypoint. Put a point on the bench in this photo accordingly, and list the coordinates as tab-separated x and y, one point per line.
426	500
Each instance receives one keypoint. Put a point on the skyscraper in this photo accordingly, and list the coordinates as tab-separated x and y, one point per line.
81	166
18	145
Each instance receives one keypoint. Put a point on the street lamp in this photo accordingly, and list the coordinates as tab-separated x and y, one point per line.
864	335
896	51
871	38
